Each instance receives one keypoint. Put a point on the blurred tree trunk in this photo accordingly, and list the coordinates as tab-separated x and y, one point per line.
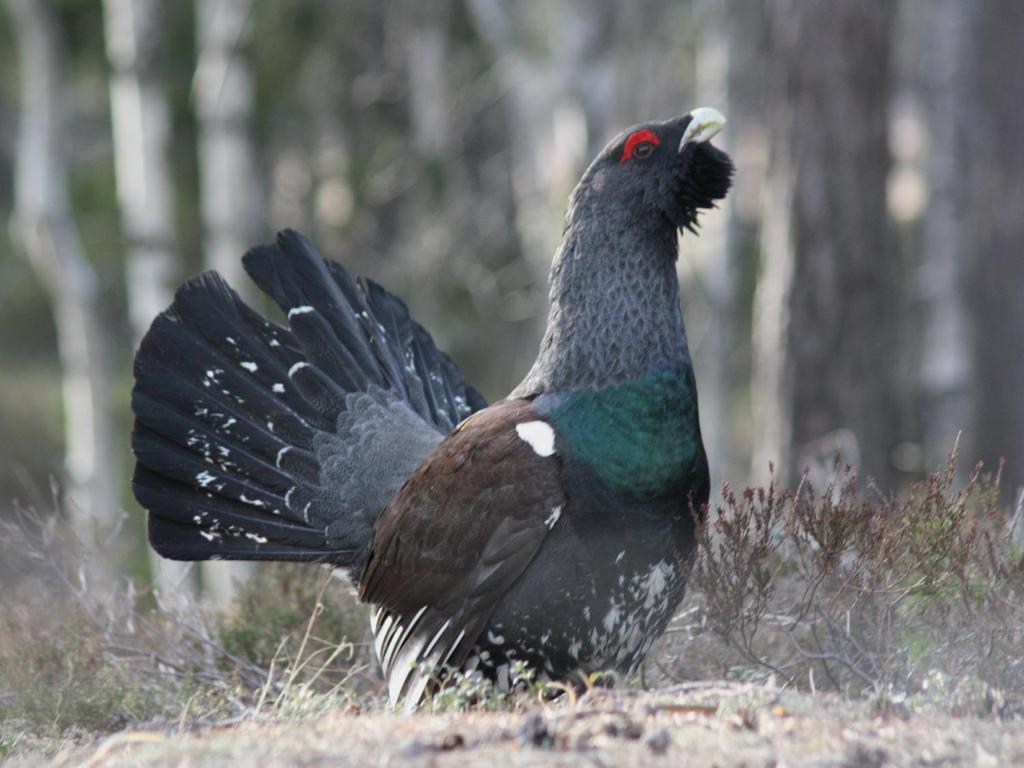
575	72
823	374
947	370
141	118
994	127
229	181
45	228
714	252
548	129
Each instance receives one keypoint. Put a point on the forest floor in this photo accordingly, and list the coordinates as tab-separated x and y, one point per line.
709	724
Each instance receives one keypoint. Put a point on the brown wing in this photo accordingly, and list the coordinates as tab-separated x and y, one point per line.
461	530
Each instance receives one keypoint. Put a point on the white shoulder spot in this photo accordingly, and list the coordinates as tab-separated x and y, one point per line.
303	310
538	435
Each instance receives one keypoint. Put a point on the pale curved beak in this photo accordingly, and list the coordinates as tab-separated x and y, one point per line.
705	123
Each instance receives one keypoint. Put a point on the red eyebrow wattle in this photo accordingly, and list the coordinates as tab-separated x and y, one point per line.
638	137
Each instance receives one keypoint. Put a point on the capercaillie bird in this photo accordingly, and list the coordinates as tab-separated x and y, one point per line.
553	527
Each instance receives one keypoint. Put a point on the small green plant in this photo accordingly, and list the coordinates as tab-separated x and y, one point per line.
80	657
8	742
459	691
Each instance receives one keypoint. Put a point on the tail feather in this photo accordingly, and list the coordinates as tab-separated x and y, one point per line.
337	363
260	442
297	278
433	383
177	539
183	503
255	485
217	415
374	328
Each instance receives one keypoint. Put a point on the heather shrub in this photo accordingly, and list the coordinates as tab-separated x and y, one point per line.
917	595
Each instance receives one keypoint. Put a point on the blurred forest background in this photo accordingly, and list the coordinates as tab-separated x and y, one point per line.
861	291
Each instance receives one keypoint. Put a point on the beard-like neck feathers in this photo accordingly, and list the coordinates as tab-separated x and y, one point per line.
615	313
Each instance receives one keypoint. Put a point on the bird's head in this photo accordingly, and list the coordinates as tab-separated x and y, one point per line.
661	172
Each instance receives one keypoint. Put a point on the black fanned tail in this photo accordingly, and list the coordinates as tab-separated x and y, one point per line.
260	442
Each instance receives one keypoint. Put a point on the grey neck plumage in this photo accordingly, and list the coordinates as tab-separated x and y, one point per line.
615	312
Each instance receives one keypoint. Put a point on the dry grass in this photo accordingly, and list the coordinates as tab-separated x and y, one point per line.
77	659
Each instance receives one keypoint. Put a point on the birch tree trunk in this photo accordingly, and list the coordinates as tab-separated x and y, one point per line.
229	182
824	314
141	119
713	345
45	228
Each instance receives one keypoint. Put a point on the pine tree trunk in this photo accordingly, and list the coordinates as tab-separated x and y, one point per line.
825	307
993	177
141	119
947	370
229	181
45	228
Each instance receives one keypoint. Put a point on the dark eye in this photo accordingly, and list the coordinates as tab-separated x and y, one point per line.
643	149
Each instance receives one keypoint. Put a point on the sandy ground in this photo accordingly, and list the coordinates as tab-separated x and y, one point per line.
695	725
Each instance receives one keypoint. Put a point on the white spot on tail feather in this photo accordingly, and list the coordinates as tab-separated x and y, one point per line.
303	310
553	517
539	436
249	366
280	455
257	538
278	388
296	367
